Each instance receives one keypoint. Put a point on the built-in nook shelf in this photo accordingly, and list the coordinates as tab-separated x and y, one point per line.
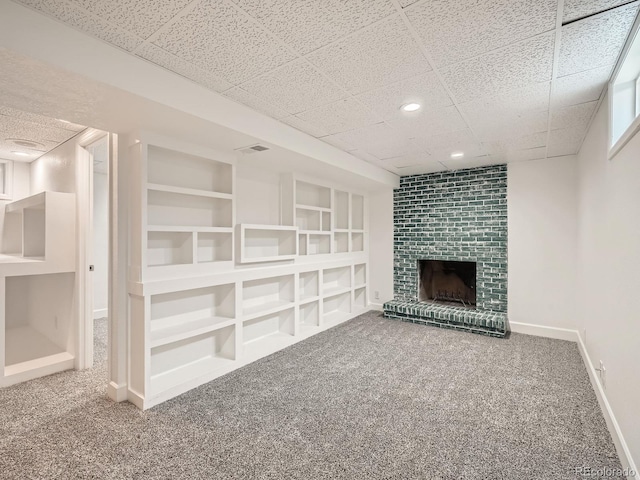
357	212
340	242
269	331
309	315
267	295
336	280
312	195
176	209
38	325
360	298
183	361
308	286
179	315
267	243
359	275
336	307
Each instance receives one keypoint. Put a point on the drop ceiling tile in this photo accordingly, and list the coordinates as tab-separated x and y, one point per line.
406	3
339	141
566	141
596	41
40	119
340	116
86	22
303	126
483	161
373	57
380	140
177	65
424	89
454	30
470	150
216	37
141	18
308	25
580	87
250	100
16	128
432	167
429	122
573	116
574	9
496	124
367	157
295	87
411	160
533	97
512	153
500	71
451	140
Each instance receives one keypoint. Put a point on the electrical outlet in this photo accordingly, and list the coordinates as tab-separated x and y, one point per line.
376	295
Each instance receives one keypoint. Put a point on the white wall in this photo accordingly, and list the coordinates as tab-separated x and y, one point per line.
55	171
100	244
257	195
20	189
542	219
381	246
609	279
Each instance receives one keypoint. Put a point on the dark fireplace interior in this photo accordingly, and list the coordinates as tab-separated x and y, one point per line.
448	282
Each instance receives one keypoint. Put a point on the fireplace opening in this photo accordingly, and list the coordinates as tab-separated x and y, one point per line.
448	282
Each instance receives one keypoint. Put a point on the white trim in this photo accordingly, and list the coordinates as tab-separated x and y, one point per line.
117	393
378	307
628	134
622	448
100	313
543	331
7	189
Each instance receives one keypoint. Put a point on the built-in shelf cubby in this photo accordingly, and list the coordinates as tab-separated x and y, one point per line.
310	314
267	243
214	247
336	280
176	209
178	315
319	244
336	306
359	275
169	248
185	360
313	195
340	242
269	329
357	212
360	298
341	207
308	286
357	242
267	295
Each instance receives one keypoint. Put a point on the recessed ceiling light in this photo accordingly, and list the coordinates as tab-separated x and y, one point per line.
63	121
21	154
410	107
457	155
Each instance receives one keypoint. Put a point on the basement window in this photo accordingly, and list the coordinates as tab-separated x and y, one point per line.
6	178
624	95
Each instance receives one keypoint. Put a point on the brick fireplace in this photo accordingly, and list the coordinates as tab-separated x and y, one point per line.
444	218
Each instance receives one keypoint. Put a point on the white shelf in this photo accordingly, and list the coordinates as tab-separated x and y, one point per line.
311	195
360	274
267	295
177	332
267	243
336	278
310	314
183	228
33	202
187	191
177	209
333	291
311	208
25	343
265	328
307	299
267	308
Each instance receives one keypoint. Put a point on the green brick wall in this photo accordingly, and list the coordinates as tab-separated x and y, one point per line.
458	215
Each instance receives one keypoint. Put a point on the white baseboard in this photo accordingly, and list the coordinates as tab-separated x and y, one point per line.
117	393
100	313
542	331
622	448
375	306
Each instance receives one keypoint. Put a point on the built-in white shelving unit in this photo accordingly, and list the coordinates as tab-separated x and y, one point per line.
208	295
37	282
267	243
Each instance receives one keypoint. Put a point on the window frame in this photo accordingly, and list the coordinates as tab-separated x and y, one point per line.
6	193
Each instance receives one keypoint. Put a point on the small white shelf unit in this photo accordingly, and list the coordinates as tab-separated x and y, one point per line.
37	285
208	296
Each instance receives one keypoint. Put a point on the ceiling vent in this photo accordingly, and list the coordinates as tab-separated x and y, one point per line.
252	149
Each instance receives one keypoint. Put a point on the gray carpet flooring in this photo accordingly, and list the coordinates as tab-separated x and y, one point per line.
372	398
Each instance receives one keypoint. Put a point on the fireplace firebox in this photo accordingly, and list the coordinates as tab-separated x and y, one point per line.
447	282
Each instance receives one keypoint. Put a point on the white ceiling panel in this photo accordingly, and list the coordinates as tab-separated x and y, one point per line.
407	3
141	18
295	87
413	159
421	169
373	57
56	123
339	141
380	140
424	89
508	155
310	24
242	96
296	122
496	124
454	30
340	116
177	65
596	41
533	97
574	9
580	87
573	116
472	162
429	122
451	140
565	141
216	37
503	70
86	22
367	157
